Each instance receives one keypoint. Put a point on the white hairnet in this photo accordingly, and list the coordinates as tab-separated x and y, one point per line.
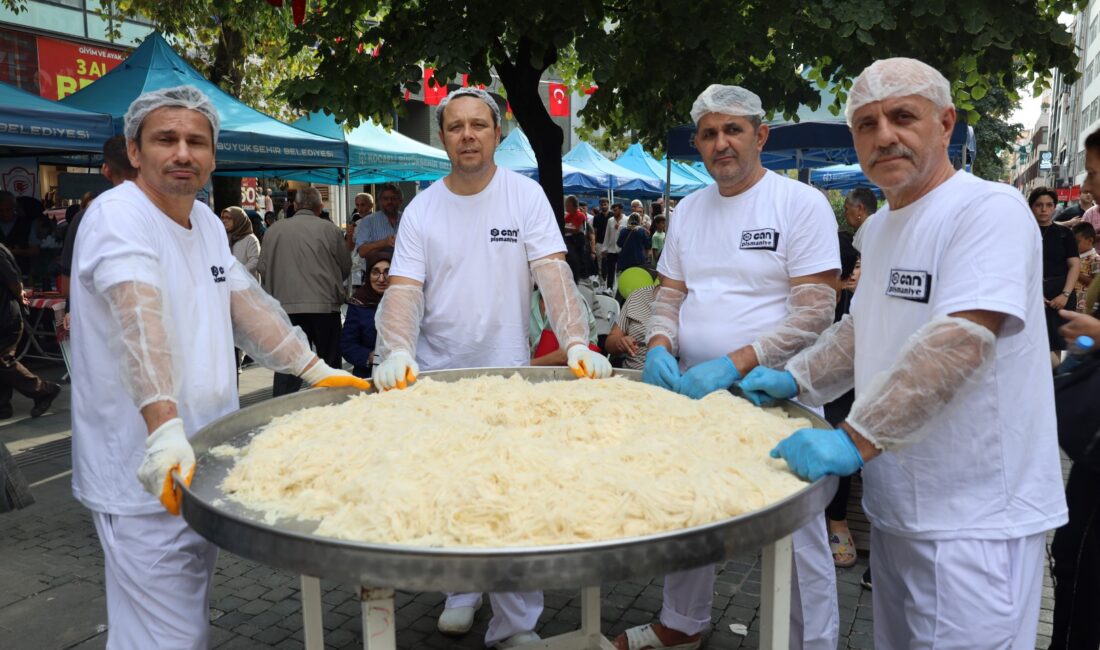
897	77
728	100
188	97
468	91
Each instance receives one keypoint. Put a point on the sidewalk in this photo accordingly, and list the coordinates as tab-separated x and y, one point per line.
51	576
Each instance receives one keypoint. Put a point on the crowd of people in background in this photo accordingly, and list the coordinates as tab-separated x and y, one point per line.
396	289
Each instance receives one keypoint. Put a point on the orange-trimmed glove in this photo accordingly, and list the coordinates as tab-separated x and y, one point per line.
586	363
397	371
321	375
167	451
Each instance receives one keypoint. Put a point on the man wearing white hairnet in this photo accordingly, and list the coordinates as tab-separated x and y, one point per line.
460	296
747	276
953	421
159	302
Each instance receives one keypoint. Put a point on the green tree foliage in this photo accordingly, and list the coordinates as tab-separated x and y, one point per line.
650	62
994	133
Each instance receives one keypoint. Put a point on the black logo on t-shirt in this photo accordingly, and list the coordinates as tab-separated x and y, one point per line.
504	235
218	272
765	239
910	285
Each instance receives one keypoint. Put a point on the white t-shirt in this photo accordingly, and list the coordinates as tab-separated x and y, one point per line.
472	253
987	466
737	255
124	237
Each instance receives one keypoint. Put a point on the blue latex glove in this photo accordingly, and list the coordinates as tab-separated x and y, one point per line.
813	453
661	369
763	386
709	376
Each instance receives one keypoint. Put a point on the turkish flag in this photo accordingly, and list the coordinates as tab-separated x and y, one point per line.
591	89
559	100
433	92
298	8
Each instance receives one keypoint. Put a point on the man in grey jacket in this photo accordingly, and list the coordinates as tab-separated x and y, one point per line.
304	264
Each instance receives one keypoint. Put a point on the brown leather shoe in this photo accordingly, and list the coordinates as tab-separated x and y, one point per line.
43	402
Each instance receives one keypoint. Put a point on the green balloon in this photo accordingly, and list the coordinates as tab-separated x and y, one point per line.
634	278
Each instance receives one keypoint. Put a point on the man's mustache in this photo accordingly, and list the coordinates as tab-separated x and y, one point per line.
892	151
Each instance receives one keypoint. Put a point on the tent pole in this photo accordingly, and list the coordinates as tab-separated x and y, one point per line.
668	183
345	188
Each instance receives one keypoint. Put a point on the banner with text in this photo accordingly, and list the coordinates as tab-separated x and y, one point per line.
65	67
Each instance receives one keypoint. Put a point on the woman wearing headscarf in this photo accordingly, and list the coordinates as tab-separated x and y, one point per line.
242	241
359	334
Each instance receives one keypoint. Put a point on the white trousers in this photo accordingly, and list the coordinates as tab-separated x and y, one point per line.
513	612
947	594
815	616
158	574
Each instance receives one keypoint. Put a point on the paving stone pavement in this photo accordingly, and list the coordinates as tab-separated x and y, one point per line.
51	583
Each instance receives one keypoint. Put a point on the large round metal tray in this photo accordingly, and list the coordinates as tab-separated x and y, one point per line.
291	544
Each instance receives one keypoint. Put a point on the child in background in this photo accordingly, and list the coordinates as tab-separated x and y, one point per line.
660	224
1090	264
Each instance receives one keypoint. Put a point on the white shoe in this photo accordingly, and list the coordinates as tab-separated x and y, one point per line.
456	621
517	640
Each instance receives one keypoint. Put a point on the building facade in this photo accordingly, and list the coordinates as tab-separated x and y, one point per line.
1075	108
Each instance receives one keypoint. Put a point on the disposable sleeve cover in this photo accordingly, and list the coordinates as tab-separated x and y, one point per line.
262	329
664	319
826	370
810	310
143	342
563	304
398	319
942	359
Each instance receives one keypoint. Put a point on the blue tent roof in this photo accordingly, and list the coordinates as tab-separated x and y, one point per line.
839	177
614	177
699	173
374	154
515	153
36	125
249	139
637	160
817	139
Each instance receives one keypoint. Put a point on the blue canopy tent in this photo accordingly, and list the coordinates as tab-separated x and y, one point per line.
249	139
374	154
699	173
613	177
814	138
36	126
515	153
637	160
840	177
806	145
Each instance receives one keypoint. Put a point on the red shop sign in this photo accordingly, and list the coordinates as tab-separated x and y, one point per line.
65	67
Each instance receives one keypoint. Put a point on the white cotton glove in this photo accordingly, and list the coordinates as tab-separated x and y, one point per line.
397	371
586	363
322	375
167	450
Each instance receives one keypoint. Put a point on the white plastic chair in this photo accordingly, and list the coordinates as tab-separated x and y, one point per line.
606	311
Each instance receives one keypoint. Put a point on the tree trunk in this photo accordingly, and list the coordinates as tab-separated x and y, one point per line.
227	73
228	69
521	80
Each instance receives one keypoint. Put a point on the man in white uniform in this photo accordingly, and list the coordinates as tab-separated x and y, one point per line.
460	293
747	277
954	414
157	304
